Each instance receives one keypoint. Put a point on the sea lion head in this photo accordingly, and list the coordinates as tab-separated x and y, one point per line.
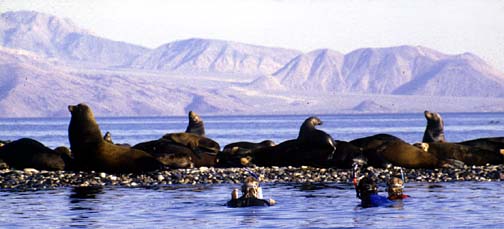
395	187
314	121
193	117
108	137
434	119
267	143
82	110
422	145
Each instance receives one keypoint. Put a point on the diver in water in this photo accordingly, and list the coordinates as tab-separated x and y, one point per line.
367	192
251	195
395	189
366	188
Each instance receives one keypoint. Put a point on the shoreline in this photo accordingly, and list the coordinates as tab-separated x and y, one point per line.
34	180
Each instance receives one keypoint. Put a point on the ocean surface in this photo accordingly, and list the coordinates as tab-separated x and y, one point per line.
458	204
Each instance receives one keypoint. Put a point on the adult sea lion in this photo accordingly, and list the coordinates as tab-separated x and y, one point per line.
91	152
239	154
29	153
434	132
310	137
494	144
469	155
194	142
382	149
174	155
345	154
312	147
195	125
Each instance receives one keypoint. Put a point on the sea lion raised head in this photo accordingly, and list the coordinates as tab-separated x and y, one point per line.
311	138
434	132
108	137
195	125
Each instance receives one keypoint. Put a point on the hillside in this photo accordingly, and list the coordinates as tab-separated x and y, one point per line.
47	63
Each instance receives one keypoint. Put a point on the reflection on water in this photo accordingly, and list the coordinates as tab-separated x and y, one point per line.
84	204
460	204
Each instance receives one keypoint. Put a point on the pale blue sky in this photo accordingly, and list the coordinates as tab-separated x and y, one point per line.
449	26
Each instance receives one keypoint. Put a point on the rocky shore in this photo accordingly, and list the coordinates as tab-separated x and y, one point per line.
31	179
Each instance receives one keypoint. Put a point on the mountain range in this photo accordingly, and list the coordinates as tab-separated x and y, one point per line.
48	62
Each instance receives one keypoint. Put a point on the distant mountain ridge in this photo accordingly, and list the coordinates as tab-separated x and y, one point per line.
54	37
214	56
47	63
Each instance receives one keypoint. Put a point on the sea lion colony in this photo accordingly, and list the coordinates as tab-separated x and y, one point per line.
91	151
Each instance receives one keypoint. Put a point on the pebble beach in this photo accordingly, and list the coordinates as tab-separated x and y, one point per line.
32	180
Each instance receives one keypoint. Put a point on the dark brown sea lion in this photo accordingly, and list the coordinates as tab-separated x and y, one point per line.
382	149
467	154
239	154
345	154
309	137
434	132
195	125
29	153
194	142
174	155
91	152
312	147
494	144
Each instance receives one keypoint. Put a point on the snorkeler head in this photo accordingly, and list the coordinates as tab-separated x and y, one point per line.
250	187
395	187
366	187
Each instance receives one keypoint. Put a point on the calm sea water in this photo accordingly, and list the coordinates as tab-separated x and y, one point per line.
460	204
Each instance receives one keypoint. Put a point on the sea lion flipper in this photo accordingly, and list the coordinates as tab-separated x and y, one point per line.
452	163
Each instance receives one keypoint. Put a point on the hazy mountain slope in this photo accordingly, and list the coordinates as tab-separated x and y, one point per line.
214	56
462	75
404	70
316	70
55	37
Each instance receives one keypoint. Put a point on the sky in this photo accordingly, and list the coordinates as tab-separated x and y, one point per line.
449	26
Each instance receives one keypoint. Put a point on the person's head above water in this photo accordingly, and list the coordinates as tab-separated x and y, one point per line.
366	187
250	188
251	195
395	188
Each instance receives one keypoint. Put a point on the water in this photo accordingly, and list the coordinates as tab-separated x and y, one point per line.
460	204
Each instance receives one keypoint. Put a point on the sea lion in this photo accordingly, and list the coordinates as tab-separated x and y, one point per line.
195	142
91	152
345	154
108	137
310	137
434	132
239	154
195	125
495	144
467	154
312	147
382	149
29	153
173	155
